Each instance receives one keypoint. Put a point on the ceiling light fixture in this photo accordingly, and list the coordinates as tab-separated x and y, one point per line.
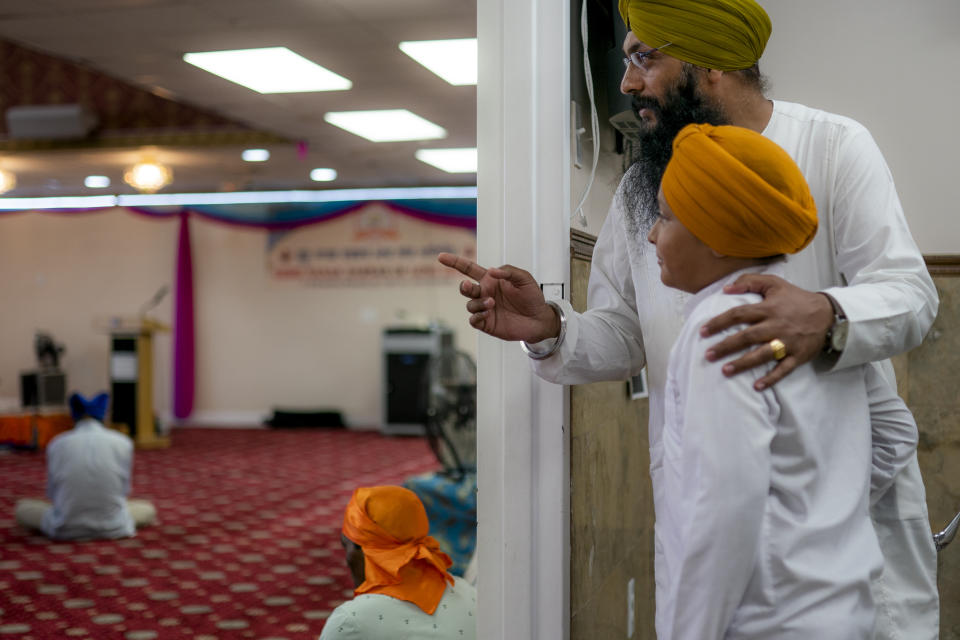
453	60
96	182
57	202
269	70
450	160
386	125
148	175
323	175
255	155
7	181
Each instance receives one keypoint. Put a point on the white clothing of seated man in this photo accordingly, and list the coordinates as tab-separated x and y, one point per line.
88	481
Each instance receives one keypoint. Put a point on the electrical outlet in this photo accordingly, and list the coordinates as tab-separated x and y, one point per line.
552	290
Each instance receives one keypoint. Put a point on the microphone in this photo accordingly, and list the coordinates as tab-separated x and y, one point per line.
155	300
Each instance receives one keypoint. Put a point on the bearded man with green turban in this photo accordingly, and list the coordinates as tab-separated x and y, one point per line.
859	294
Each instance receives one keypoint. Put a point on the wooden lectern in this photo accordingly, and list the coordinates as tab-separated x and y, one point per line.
131	379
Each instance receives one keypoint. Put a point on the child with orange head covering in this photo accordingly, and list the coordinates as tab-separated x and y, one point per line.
402	584
737	199
761	498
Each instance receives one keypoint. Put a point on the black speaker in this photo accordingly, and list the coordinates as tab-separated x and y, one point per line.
123	391
407	381
43	388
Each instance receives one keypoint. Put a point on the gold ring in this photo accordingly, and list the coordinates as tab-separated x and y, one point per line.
779	349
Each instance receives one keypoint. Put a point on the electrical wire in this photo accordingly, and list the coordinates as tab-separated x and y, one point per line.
595	125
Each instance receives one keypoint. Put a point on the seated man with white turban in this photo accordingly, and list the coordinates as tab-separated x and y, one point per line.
403	590
88	480
763	508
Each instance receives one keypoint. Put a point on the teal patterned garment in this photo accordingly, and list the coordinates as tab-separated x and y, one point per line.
451	506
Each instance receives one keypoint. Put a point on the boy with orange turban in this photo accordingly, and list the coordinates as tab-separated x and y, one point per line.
762	508
402	585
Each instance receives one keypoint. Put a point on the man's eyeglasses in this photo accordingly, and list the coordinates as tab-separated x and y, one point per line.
639	58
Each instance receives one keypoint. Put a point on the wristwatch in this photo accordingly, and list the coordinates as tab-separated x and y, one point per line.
837	334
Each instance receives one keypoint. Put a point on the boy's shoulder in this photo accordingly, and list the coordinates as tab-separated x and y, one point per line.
715	303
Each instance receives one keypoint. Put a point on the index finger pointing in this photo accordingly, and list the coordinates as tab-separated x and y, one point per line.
466	267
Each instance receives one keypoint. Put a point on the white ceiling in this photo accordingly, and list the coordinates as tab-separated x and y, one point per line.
142	43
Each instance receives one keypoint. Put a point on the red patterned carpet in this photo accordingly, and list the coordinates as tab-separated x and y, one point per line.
248	545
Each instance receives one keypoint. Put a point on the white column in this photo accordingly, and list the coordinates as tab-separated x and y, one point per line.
523	219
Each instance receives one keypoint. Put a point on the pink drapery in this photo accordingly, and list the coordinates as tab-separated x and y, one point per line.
183	326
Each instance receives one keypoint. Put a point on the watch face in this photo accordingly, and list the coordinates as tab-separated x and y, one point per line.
838	339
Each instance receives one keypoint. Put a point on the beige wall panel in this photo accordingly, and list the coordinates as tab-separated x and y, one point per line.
932	386
611	505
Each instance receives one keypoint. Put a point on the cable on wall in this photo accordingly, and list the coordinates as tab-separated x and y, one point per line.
594	123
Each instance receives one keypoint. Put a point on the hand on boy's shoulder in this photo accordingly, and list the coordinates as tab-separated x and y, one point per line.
798	318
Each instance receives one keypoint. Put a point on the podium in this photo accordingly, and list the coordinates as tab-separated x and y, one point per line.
131	379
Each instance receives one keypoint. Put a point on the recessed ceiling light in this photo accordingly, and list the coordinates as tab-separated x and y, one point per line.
269	70
148	175
96	182
255	155
7	181
386	125
453	60
450	160
323	175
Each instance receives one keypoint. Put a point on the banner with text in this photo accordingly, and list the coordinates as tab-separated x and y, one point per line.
375	244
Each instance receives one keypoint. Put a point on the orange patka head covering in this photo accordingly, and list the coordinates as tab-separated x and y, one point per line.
400	559
738	192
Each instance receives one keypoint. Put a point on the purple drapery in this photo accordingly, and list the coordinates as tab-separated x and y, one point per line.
183	337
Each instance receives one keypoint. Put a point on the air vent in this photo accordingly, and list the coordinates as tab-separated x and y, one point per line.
50	122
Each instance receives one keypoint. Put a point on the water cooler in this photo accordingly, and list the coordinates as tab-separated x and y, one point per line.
407	356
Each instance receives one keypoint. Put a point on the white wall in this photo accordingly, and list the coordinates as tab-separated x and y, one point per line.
65	274
892	65
260	343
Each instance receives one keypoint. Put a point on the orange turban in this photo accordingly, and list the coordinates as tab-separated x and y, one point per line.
716	34
739	192
400	559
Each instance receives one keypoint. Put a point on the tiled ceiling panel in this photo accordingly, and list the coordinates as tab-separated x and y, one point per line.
141	42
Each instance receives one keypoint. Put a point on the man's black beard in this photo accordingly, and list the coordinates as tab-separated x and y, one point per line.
681	106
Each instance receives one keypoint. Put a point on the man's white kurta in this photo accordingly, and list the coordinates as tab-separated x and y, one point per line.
763	512
88	480
865	257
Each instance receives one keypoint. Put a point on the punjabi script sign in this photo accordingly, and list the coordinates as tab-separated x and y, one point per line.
372	245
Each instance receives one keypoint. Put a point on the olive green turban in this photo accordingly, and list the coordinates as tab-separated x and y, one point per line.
715	34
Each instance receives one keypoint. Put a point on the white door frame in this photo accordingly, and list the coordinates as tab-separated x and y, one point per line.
523	218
